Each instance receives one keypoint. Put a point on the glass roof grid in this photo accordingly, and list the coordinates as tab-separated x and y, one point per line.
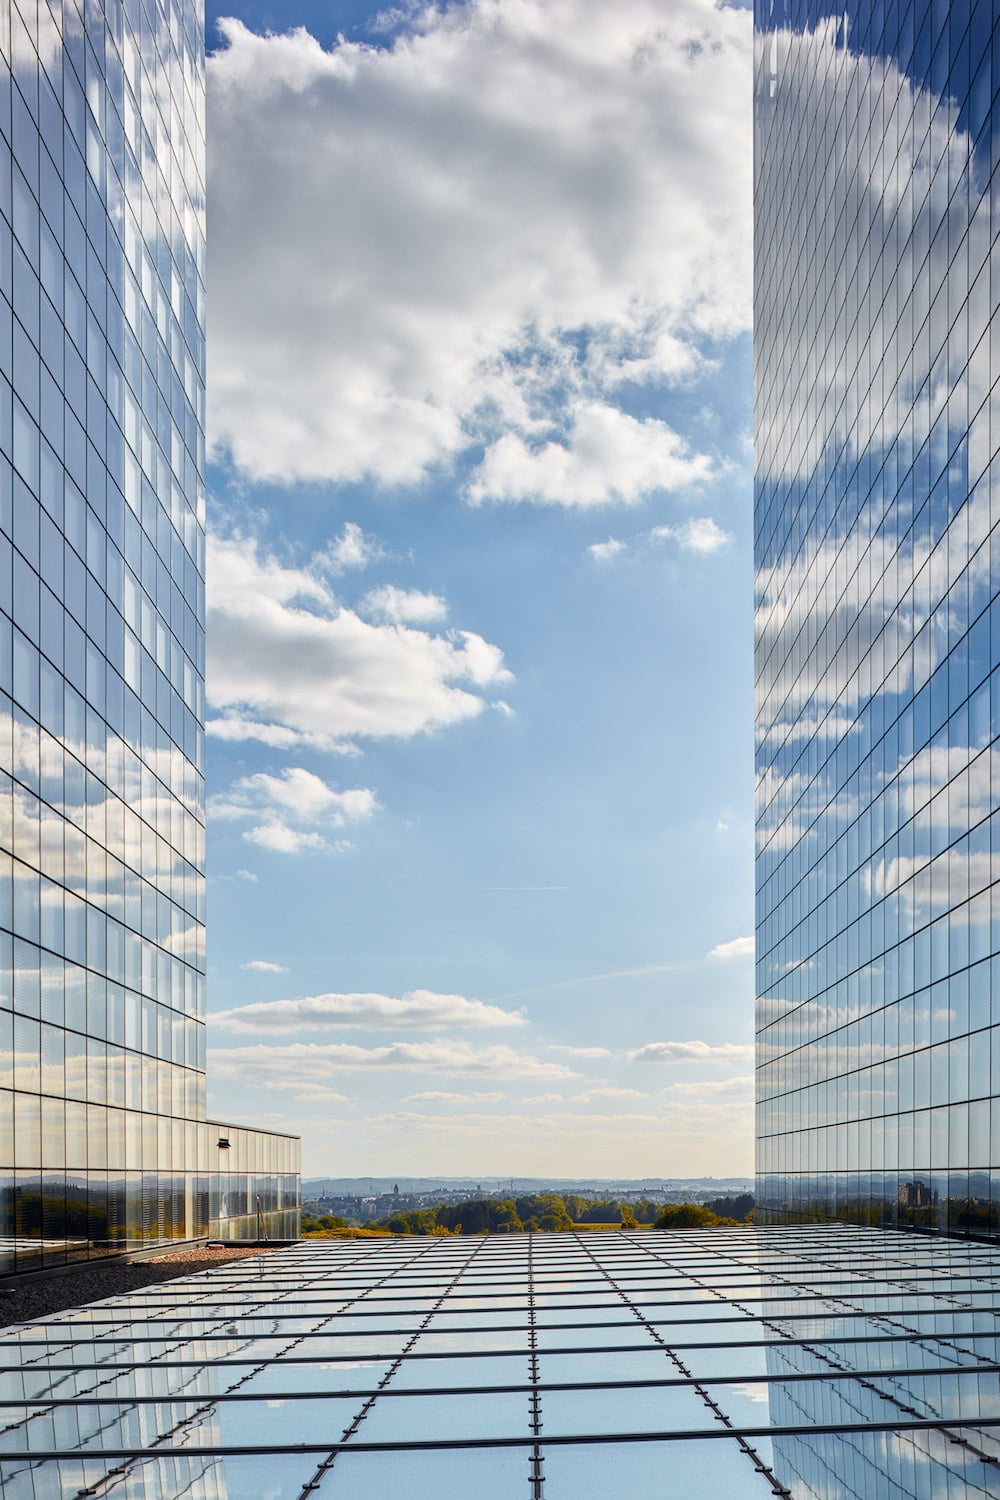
920	1464
326	1465
536	1462
950	1382
707	1398
637	1469
840	1402
195	1418
487	1473
637	1410
860	1377
982	1346
101	1316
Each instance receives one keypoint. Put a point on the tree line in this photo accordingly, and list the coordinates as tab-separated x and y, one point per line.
550	1212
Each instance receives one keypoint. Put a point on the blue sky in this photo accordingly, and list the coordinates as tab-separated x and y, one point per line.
480	658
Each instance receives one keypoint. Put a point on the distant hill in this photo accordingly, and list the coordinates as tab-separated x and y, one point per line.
372	1186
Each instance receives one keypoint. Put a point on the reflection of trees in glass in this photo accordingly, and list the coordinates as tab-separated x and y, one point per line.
33	1214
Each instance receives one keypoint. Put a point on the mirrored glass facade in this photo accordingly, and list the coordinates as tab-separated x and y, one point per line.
877	554
525	1367
103	1140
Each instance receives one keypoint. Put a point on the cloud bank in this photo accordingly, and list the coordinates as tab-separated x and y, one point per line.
420	1010
446	1096
667	1052
290	1067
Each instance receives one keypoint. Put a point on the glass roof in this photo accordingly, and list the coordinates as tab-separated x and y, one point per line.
801	1362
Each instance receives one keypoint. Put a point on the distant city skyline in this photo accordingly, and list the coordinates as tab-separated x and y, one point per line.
410	1184
479	583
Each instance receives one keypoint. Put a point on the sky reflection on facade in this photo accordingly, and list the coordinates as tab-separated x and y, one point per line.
878	623
104	1143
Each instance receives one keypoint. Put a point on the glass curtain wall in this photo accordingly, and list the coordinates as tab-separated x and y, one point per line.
102	648
253	1186
877	209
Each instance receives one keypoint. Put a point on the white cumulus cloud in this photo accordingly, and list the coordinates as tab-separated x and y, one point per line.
287	665
693	1052
605	456
472	237
699	534
262	966
287	809
280	838
353	548
741	947
605	551
420	1010
404	606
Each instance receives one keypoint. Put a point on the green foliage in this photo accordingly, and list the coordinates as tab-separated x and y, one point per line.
313	1223
603	1211
608	1210
689	1216
480	1216
411	1221
507	1220
735	1207
543	1212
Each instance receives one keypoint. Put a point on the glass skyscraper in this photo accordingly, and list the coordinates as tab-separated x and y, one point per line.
104	1144
877	554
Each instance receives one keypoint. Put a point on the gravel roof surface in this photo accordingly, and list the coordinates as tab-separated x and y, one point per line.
39	1299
